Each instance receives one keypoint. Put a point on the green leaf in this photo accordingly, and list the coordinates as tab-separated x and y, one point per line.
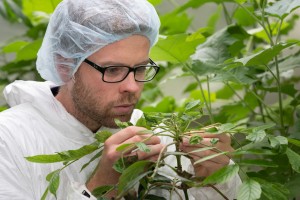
254	152
192	104
31	6
102	136
169	23
51	158
121	124
196	4
256	136
195	139
258	162
174	48
265	56
271	191
91	160
14	46
123	147
278	143
282	8
294	159
249	190
54	182
190	87
99	191
222	175
218	48
142	122
29	51
143	147
155	2
294	141
242	16
132	175
64	156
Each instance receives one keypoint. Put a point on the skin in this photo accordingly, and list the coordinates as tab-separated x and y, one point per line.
96	103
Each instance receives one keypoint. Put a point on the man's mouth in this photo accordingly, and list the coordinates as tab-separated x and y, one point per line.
124	108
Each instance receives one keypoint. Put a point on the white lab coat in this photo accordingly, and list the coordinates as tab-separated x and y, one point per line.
37	123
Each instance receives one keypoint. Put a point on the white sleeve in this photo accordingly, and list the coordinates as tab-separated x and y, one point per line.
229	189
22	180
13	177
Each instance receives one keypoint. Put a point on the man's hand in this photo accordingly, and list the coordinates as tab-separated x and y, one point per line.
207	167
104	173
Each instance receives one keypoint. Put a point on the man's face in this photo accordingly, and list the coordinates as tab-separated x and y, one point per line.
99	102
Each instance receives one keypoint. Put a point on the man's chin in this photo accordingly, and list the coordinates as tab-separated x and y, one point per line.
112	124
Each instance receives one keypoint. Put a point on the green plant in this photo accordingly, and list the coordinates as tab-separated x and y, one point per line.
254	60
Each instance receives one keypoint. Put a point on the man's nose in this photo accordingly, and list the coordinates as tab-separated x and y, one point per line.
129	84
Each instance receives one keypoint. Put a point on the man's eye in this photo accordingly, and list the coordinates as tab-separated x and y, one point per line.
114	70
140	70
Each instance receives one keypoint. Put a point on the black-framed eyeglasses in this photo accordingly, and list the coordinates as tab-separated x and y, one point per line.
115	73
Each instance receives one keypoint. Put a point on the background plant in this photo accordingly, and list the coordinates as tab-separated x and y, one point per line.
251	58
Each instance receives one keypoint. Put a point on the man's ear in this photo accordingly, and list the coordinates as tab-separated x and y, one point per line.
63	67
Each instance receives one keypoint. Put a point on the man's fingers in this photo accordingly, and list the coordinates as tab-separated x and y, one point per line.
123	135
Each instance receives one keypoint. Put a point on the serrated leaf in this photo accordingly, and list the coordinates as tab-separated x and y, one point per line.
265	56
102	136
174	48
249	190
195	139
282	8
225	127
256	136
222	175
121	124
294	159
142	147
63	156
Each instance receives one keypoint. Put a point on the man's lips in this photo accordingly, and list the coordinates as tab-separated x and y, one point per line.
124	108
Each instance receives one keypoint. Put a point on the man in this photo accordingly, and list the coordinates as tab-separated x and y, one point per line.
96	51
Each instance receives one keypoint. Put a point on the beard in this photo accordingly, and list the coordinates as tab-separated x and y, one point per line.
97	110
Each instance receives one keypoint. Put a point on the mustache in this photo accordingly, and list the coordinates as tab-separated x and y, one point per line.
127	99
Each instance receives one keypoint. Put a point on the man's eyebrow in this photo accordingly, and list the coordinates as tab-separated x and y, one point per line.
107	63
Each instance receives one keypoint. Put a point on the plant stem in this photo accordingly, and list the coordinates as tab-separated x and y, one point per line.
226	13
279	97
202	93
216	189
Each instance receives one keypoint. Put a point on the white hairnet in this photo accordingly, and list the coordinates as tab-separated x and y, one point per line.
78	28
